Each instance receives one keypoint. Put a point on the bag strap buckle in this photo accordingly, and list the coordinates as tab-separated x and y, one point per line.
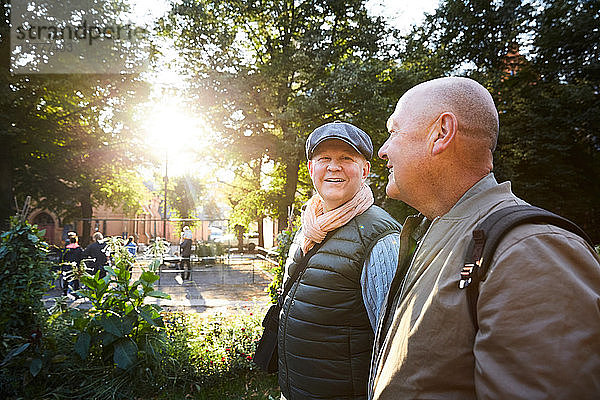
466	275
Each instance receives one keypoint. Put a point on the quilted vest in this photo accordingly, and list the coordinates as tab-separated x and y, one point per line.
325	338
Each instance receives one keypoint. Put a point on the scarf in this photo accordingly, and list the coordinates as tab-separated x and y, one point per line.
316	222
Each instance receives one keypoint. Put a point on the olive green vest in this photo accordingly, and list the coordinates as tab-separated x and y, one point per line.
325	338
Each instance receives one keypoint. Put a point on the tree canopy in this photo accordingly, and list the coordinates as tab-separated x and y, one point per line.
68	140
541	65
269	72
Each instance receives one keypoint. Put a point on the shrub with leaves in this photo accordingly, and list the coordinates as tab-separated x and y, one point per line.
111	350
118	326
205	350
25	277
284	242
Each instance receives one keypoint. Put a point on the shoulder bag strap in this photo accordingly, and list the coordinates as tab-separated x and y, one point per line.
488	235
301	266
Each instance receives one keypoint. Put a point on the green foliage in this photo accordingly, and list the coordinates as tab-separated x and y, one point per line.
185	196
118	325
25	277
204	250
123	348
547	94
205	350
252	385
68	139
271	72
284	242
210	249
119	338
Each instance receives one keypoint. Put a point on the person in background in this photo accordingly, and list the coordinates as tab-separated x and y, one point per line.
73	255
96	251
131	246
185	249
536	330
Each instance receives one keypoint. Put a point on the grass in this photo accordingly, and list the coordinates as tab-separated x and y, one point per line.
251	385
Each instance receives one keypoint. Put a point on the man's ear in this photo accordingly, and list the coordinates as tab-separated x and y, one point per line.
365	170
444	133
310	168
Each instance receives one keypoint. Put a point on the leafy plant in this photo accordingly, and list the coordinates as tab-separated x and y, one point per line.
25	277
118	325
284	241
206	350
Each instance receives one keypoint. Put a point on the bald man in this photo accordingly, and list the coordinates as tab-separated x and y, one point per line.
538	334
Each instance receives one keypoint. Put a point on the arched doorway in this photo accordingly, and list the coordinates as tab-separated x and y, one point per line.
45	221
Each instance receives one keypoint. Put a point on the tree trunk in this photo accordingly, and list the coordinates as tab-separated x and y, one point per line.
261	237
6	208
6	192
86	216
291	183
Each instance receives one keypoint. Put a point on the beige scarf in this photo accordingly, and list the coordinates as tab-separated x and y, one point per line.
316	223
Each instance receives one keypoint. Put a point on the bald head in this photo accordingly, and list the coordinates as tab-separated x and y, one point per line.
470	102
442	134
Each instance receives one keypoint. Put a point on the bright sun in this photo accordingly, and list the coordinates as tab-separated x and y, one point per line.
176	134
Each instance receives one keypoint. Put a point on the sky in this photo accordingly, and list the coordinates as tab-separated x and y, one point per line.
402	13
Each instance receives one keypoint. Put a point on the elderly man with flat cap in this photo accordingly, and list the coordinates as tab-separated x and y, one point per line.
346	256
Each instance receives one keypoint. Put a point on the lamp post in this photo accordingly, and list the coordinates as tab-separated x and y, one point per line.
166	179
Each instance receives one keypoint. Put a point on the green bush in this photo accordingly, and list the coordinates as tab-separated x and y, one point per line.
119	325
204	250
25	277
284	242
119	341
121	348
208	349
220	249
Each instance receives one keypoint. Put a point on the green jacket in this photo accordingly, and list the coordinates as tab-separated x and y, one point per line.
325	337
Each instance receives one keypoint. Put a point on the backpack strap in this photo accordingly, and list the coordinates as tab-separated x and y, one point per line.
488	235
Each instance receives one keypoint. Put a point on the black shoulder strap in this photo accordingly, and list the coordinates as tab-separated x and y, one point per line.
301	266
488	235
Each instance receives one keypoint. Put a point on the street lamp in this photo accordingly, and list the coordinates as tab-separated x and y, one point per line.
166	179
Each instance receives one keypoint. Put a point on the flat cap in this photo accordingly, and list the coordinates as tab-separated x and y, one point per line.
344	131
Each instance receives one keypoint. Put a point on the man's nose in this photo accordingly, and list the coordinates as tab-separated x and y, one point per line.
333	165
382	153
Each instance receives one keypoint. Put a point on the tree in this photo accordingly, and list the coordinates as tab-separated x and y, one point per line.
548	100
186	195
71	156
267	72
249	200
68	139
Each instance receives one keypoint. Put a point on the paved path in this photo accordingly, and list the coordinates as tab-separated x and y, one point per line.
240	286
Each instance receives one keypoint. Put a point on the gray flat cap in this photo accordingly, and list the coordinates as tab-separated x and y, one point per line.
344	131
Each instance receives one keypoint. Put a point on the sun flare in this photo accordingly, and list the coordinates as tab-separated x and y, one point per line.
177	135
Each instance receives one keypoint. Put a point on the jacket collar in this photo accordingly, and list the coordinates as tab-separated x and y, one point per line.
469	203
